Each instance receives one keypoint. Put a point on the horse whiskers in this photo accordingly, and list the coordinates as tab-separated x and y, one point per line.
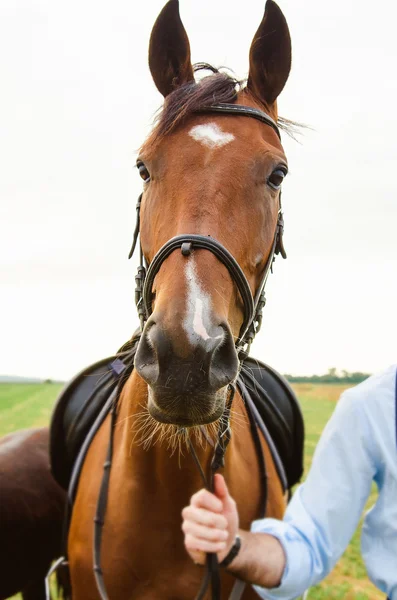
236	418
147	427
147	432
137	416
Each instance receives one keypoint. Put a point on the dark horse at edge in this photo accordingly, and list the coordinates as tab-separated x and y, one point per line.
31	514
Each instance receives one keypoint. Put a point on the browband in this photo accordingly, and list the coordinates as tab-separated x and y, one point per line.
243	111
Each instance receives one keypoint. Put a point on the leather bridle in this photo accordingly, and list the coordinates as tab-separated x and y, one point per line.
253	306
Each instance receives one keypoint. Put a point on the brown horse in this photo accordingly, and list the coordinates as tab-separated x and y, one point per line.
31	514
217	176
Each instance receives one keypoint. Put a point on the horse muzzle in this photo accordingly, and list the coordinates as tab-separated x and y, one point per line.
186	387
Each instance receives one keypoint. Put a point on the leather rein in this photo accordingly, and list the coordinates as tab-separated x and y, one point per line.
253	307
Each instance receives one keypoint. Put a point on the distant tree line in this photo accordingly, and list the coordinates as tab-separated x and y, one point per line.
333	376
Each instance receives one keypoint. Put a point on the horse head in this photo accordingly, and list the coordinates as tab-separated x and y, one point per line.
216	175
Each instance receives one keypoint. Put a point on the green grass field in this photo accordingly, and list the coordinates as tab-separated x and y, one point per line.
29	405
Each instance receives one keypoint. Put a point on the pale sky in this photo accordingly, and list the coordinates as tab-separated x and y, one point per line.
76	102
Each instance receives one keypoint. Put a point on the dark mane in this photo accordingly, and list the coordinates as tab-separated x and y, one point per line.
193	96
190	98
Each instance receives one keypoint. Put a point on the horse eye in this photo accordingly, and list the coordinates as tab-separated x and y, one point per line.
143	172
276	179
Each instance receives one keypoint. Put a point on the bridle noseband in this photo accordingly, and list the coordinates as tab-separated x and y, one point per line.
187	243
253	306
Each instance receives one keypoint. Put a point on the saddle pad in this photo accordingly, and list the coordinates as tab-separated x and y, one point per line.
85	402
77	409
279	409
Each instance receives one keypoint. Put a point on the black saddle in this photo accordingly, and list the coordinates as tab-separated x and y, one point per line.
86	401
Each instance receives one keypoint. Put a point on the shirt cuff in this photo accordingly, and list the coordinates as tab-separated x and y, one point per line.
291	585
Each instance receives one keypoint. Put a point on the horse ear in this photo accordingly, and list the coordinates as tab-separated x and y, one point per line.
270	56
169	51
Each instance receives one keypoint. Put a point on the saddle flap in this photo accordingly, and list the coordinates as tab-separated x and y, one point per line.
76	409
279	408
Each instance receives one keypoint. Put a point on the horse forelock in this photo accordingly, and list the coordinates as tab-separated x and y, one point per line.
190	98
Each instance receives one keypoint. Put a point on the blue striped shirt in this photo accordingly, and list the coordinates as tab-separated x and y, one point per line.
357	447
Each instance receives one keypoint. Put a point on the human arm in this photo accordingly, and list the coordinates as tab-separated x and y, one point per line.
325	511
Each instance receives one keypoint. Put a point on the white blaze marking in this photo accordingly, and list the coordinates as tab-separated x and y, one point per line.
198	306
198	325
211	135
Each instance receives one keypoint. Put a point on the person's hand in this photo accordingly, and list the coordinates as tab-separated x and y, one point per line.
210	522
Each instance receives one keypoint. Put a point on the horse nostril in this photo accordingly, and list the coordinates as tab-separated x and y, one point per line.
224	361
146	362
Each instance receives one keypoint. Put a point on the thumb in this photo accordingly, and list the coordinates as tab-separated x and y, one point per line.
229	505
220	489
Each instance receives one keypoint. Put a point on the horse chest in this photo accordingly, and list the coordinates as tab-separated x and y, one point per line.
143	554
142	547
142	559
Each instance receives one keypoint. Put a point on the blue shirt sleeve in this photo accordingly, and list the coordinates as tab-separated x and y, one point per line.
324	512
